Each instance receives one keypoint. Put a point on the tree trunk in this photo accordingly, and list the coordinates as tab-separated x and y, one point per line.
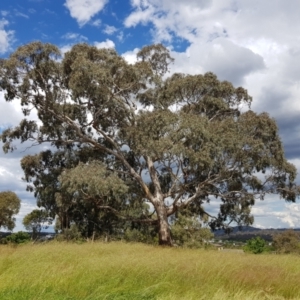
164	228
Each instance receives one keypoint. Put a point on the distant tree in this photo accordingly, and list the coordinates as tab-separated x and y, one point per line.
256	245
287	242
19	237
179	139
37	220
9	206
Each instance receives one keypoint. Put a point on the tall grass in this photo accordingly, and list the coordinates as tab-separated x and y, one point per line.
135	271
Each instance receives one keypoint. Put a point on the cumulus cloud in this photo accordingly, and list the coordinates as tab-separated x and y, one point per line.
276	214
106	44
84	10
10	113
269	213
226	59
230	61
109	29
6	36
130	56
65	48
239	20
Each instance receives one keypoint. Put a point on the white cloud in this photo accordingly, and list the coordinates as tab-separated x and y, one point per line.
6	36
4	13
84	10
130	56
229	61
120	36
19	14
10	112
276	214
65	48
74	36
96	23
109	29
106	44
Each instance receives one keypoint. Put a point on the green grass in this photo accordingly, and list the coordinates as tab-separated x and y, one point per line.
135	271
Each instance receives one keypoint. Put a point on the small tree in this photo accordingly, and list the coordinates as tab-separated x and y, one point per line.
256	245
36	221
287	242
188	231
70	234
9	206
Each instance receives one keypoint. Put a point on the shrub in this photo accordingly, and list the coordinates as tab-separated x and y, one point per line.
287	242
188	232
140	236
256	245
20	237
70	234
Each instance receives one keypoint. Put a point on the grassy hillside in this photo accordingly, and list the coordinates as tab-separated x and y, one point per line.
135	271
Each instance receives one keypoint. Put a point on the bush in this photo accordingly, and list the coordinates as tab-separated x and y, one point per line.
287	242
256	245
20	237
187	231
70	234
140	236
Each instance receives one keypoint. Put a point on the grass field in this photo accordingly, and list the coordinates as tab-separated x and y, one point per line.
135	271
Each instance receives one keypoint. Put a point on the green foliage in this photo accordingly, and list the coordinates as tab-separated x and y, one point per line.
108	117
84	180
37	220
134	235
9	206
141	235
287	242
256	245
71	234
188	231
19	237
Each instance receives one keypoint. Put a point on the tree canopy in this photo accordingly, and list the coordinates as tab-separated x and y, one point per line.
9	206
37	220
173	141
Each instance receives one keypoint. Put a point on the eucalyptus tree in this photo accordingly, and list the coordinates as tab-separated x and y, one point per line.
72	186
181	139
37	220
42	173
9	206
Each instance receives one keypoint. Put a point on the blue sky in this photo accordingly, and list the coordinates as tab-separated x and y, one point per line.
252	43
52	22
